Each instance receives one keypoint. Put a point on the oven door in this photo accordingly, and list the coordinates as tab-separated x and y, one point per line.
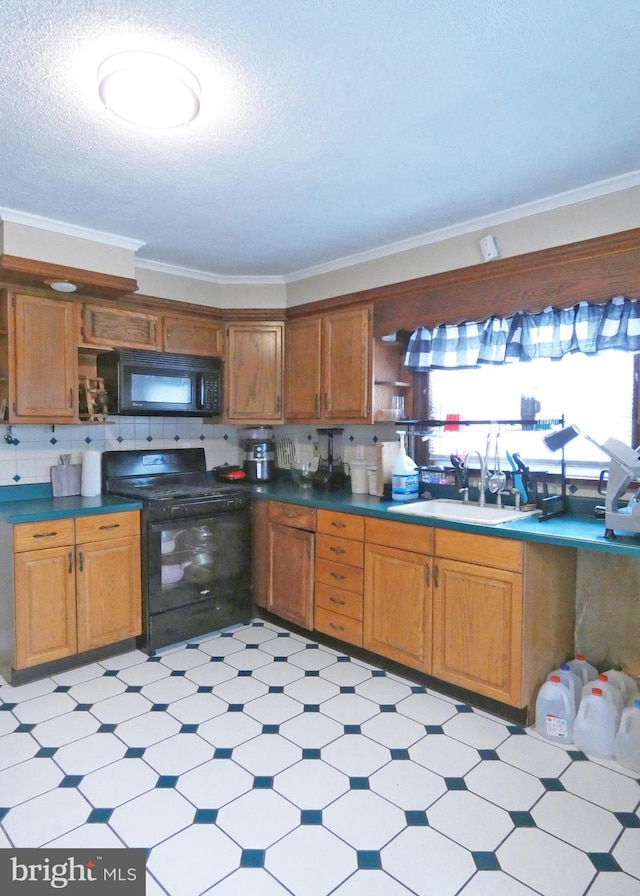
198	576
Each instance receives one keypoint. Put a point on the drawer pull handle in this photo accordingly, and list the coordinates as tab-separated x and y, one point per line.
111	526
81	560
45	535
70	556
427	574
338	628
436	576
339	525
338	550
291	515
337	575
339	603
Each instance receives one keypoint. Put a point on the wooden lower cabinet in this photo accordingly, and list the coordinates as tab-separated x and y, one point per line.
398	592
503	614
283	560
81	592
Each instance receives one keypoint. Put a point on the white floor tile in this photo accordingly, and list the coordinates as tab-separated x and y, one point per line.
371	883
299	861
28	780
178	754
627	852
45	817
426	709
95	751
152	817
193	860
471	821
197	708
122	781
258	818
445	756
476	730
505	785
578	822
311	729
546	864
600	785
408	785
356	755
119	709
427	863
273	709
97	689
539	758
215	783
363	819
229	729
267	754
311	784
244	881
393	731
148	729
15	748
65	729
383	690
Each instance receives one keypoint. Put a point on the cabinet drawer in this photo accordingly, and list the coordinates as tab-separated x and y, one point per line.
292	515
337	600
42	534
344	550
338	575
107	525
498	553
406	536
345	525
339	626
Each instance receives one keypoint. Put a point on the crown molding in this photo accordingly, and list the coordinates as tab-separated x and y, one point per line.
13	216
209	277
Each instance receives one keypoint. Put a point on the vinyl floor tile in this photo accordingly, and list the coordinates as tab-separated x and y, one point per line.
254	761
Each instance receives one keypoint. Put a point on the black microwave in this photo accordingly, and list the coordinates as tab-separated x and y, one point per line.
159	383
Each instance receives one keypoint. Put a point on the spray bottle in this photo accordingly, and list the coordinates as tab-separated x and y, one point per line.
404	474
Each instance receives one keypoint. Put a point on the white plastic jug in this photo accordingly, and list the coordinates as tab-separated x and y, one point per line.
627	743
609	691
404	474
571	681
594	731
626	683
555	712
583	669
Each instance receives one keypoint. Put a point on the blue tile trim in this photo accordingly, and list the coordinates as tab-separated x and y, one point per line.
263	782
205	816
309	753
311	816
455	783
99	816
628	819
552	784
71	781
166	782
416	818
400	754
522	819
252	858
357	783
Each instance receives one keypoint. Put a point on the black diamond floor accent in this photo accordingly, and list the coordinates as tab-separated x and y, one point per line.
552	784
603	861
455	783
522	819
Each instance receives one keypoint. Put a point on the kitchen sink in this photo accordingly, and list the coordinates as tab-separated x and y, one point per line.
457	511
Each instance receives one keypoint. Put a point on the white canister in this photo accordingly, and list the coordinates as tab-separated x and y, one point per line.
372	476
359	478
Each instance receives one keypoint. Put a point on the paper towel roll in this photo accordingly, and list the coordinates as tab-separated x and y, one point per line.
90	484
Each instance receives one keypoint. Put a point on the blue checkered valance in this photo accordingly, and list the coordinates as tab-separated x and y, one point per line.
550	333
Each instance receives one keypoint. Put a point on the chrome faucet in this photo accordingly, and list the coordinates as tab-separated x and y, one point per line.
483	473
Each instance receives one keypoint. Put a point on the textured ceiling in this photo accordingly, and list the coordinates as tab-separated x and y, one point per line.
328	127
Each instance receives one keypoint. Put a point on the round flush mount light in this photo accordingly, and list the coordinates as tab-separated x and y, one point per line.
61	285
149	90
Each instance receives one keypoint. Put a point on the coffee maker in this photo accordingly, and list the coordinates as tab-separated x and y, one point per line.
259	453
330	473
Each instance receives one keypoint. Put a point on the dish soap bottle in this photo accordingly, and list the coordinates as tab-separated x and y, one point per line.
404	474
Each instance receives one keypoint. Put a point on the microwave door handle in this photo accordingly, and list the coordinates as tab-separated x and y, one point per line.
200	390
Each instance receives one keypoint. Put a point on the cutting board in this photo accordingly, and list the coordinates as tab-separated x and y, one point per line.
65	479
385	455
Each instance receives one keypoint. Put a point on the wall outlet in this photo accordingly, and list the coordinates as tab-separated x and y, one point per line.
359	452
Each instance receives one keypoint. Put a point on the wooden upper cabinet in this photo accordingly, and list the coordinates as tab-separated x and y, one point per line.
192	336
302	370
253	376
119	327
328	367
43	361
347	365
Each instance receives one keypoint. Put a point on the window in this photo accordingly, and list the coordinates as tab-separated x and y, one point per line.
596	392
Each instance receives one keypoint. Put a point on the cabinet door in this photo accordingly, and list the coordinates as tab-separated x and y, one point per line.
108	591
347	365
45	606
477	628
291	574
397	605
253	378
302	371
193	337
46	364
119	327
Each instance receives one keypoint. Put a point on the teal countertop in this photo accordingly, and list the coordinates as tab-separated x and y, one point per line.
576	529
29	503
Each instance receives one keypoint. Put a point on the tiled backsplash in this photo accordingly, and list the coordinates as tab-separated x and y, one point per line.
36	448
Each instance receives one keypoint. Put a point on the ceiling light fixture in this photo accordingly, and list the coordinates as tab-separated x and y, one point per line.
62	285
149	90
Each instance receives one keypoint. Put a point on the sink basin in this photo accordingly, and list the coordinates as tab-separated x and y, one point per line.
457	511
